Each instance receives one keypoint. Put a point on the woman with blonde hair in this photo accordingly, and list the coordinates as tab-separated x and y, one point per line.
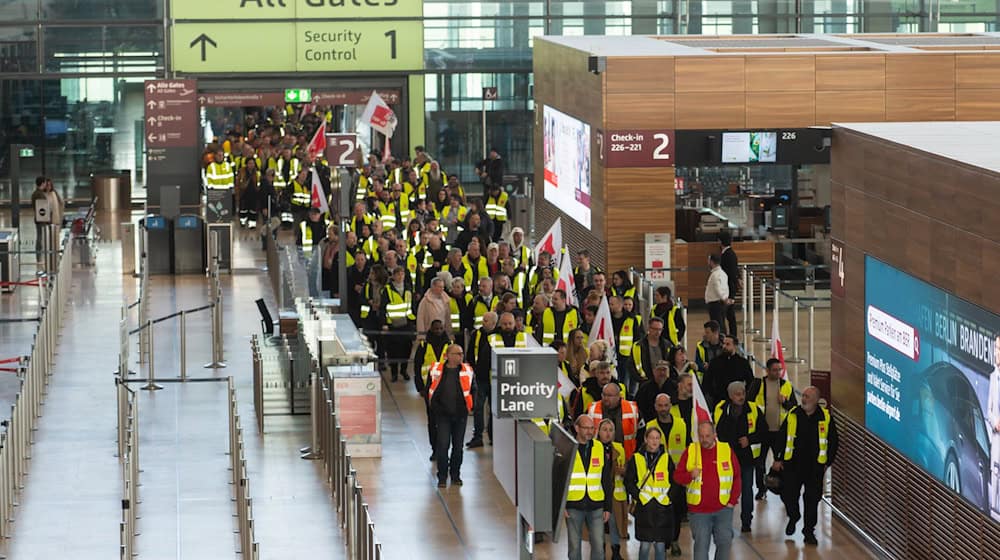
576	354
598	351
614	454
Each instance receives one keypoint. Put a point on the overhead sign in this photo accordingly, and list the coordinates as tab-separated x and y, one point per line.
342	150
525	383
298	96
489	94
303	46
229	10
639	148
838	280
242	99
171	113
26	152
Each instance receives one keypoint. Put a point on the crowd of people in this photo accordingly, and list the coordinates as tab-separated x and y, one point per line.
438	278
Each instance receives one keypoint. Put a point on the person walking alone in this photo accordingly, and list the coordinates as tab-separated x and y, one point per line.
453	386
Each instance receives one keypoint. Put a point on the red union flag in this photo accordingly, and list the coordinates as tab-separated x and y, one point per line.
379	115
566	281
318	143
777	352
603	328
318	194
699	410
551	242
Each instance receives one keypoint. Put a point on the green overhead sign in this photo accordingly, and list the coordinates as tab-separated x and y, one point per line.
298	95
303	46
229	10
26	152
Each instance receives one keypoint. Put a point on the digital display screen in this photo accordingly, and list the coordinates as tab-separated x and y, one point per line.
932	381
749	147
566	162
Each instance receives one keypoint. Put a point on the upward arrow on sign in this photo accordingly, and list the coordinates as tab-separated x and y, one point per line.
151	88
205	40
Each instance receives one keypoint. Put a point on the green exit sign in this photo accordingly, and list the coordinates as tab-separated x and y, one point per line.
27	152
298	95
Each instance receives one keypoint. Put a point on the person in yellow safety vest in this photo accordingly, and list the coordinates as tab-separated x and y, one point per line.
539	271
621	286
301	195
709	347
508	336
415	186
282	169
359	218
461	309
219	174
738	423
520	250
402	205
626	333
431	351
475	264
614	456
775	397
559	319
452	218
364	183
400	320
480	354
672	421
518	282
673	318
645	351
591	491
708	469
648	481
312	230
483	302
451	408
496	209
434	180
809	447
386	210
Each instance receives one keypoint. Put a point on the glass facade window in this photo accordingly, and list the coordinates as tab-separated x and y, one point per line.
18	50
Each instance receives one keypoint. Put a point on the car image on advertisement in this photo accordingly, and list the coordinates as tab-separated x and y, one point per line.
950	438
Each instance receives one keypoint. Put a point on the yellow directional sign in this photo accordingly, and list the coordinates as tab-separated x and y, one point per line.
294	9
304	46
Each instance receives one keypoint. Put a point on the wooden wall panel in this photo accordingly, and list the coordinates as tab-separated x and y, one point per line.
710	110
925	105
642	201
920	71
850	72
849	106
639	74
644	111
781	109
978	104
690	285
977	71
709	74
781	73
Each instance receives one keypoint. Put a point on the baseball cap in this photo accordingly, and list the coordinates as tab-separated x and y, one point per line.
662	364
517	230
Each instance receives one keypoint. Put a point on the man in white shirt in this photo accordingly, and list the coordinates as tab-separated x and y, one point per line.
993	417
717	290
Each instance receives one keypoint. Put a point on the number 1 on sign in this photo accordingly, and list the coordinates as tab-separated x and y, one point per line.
391	34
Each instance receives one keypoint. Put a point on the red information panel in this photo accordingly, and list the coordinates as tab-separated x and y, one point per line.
639	148
171	113
357	415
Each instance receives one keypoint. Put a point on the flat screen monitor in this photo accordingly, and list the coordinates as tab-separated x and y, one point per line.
566	162
749	147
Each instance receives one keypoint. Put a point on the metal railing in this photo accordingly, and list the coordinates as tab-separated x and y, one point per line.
241	483
146	332
128	460
34	371
760	331
330	445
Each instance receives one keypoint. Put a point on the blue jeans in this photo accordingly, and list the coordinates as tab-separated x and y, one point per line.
659	550
595	526
706	526
613	530
746	495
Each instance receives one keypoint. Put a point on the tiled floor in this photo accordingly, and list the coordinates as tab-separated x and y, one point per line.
70	506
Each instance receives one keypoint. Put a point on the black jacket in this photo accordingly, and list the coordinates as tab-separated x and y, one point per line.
494	171
654	522
645	397
731	426
480	356
722	371
731	266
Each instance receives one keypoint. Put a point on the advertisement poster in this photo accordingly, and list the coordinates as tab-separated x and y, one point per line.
932	381
566	161
749	147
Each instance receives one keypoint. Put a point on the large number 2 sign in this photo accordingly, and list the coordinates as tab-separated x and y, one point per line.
342	150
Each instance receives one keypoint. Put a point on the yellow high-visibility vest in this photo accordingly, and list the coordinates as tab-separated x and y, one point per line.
219	175
620	495
657	485
676	436
785	389
586	480
399	306
752	418
724	468
824	435
496	208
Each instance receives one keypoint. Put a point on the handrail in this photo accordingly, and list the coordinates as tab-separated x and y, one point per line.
128	459
249	547
34	372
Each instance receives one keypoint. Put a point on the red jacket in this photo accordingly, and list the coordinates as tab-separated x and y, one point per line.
709	481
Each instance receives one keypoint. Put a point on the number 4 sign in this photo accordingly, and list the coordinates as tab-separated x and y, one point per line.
342	150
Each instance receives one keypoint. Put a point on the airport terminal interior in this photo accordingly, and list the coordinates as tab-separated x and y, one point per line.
274	273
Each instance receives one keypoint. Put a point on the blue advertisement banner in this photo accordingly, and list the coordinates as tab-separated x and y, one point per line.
932	381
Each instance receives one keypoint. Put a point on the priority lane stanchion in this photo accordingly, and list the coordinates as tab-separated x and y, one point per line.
151	369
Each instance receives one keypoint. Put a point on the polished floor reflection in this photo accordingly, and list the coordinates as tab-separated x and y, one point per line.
70	507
